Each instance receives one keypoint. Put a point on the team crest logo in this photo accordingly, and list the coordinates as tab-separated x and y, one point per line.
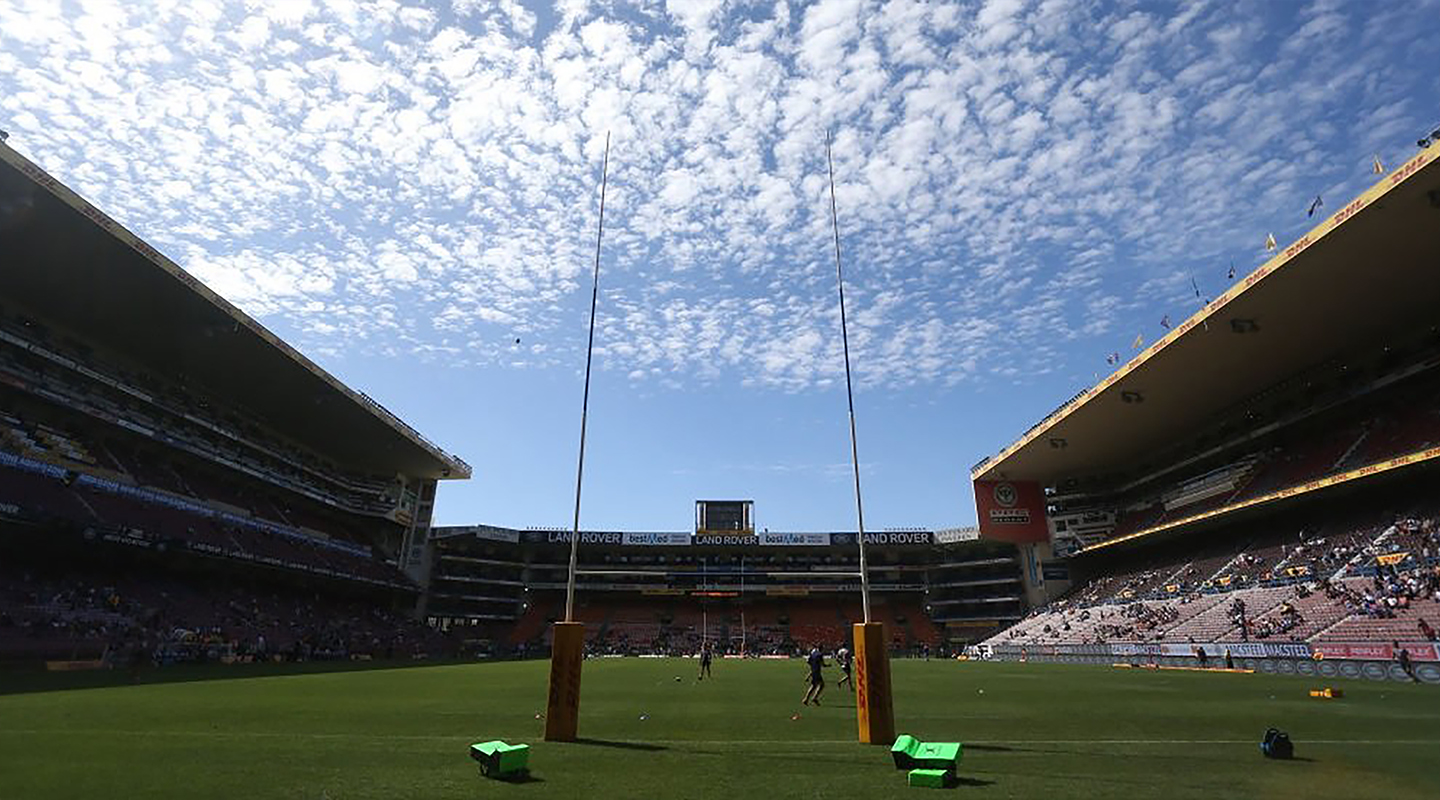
1005	494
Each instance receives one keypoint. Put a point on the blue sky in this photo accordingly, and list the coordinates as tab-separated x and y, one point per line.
405	191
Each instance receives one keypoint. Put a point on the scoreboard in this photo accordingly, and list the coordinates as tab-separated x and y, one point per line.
727	517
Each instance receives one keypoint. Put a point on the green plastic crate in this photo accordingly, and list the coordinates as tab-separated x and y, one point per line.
910	753
930	778
498	759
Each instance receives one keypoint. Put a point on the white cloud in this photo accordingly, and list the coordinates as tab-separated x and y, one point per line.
1012	175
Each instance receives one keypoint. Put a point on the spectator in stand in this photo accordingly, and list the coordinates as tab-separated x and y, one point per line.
1427	631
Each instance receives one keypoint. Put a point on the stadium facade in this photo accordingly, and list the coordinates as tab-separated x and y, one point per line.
769	591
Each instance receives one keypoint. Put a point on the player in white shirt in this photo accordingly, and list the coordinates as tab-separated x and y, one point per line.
842	657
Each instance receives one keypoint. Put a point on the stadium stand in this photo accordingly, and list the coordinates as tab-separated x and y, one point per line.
146	422
1351	598
1265	472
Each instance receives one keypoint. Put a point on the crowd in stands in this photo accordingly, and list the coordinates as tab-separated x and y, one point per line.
1340	575
44	493
96	612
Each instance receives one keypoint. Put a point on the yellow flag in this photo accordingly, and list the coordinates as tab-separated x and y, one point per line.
1377	167
1139	341
1270	241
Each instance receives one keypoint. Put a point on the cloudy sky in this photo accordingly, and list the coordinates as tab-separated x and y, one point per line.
409	194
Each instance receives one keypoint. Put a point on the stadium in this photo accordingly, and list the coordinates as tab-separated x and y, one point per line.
253	592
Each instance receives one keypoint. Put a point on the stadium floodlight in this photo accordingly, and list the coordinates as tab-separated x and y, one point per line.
1422	142
4	135
567	647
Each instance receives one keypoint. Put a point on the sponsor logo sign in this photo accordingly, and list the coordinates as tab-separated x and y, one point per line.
953	535
1011	511
487	532
726	539
658	539
793	539
1269	649
1378	651
608	537
898	538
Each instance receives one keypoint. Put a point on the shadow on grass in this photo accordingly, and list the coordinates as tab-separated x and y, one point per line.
26	680
621	745
965	780
519	777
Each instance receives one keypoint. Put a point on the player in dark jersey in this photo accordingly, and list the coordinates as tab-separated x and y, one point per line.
843	658
705	655
816	660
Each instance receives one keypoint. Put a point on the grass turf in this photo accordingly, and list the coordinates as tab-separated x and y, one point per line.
1035	731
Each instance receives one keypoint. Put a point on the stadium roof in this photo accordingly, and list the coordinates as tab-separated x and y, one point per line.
1366	272
67	261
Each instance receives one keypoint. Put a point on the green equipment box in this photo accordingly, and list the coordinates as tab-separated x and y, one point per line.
931	778
910	753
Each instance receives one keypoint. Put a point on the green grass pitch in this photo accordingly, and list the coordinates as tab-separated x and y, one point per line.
1035	731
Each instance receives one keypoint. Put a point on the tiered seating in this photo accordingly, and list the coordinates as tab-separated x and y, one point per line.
1318	612
1203	620
1405	427
1318	457
1253	565
1404	626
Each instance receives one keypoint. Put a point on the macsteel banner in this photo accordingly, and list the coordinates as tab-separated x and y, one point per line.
1011	511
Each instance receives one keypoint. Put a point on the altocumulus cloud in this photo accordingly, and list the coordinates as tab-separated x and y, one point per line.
1019	181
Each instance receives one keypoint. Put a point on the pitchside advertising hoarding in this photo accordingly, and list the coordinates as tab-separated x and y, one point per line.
1363	651
1011	511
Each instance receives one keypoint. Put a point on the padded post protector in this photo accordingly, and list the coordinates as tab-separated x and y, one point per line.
874	706
562	709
